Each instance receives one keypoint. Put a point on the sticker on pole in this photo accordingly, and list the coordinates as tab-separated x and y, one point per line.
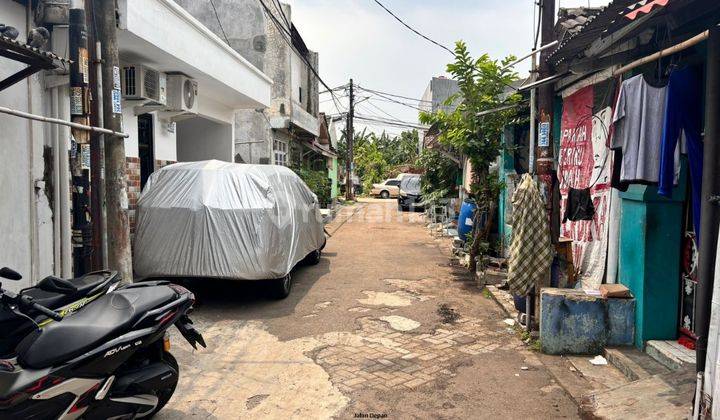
84	65
544	134
76	101
116	96
116	77
85	156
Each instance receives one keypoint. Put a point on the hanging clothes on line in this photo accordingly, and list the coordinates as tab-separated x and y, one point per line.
638	120
683	115
579	205
531	251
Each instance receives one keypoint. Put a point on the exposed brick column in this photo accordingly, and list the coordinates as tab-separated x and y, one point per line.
133	191
159	164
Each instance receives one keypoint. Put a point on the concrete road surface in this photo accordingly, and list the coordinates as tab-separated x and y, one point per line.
383	327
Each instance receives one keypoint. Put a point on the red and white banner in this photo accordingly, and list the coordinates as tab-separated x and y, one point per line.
585	162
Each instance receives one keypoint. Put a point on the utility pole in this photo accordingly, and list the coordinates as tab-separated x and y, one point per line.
541	155
118	226
79	159
710	212
97	150
350	138
545	161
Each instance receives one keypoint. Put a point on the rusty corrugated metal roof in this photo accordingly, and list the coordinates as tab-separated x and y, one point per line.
606	21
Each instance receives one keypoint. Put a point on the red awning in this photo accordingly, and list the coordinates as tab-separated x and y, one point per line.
644	7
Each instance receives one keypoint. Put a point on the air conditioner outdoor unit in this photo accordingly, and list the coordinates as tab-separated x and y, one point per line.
143	83
182	94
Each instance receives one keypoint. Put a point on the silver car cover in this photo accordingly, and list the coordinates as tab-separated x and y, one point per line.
225	220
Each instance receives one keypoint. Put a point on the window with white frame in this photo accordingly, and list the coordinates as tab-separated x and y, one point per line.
280	149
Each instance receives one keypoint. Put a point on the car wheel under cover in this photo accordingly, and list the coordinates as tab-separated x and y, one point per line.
281	287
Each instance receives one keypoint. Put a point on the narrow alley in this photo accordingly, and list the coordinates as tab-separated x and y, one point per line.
382	326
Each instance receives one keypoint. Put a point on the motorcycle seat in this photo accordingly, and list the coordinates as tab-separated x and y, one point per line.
106	318
84	284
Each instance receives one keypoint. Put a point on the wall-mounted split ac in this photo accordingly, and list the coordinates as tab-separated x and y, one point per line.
182	94
142	83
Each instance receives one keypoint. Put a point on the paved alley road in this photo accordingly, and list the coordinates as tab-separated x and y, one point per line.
383	325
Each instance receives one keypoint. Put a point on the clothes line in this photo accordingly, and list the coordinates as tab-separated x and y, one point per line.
664	53
49	120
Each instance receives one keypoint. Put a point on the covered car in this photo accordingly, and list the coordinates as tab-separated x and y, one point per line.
410	196
226	220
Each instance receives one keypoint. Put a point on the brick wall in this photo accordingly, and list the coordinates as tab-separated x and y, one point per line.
159	164
133	191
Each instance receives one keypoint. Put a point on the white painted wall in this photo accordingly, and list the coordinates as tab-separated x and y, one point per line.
25	217
210	108
165	146
163	34
130	126
201	139
166	143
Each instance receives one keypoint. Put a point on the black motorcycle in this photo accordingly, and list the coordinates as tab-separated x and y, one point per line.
62	296
109	360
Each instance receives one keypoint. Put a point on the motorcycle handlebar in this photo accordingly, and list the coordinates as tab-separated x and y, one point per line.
28	302
47	312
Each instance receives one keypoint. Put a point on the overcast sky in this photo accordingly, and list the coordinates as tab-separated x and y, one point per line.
358	39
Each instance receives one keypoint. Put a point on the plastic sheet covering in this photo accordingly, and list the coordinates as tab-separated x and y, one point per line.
411	185
225	220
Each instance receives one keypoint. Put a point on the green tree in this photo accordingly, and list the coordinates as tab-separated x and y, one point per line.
376	157
441	174
474	128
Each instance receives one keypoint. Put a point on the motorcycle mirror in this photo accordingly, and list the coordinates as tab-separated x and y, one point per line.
10	274
56	285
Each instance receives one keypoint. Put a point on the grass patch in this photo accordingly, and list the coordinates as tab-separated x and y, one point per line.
534	344
486	293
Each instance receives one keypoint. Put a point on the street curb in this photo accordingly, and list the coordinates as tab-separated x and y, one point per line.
504	300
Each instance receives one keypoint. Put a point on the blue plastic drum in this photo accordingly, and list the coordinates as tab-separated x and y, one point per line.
465	221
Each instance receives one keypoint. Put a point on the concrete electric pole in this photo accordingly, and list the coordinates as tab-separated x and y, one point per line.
545	161
118	226
350	138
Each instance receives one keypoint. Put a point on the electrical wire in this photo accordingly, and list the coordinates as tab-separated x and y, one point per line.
414	30
388	122
382	110
212	3
336	89
383	119
393	102
331	98
389	99
392	94
282	13
538	23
